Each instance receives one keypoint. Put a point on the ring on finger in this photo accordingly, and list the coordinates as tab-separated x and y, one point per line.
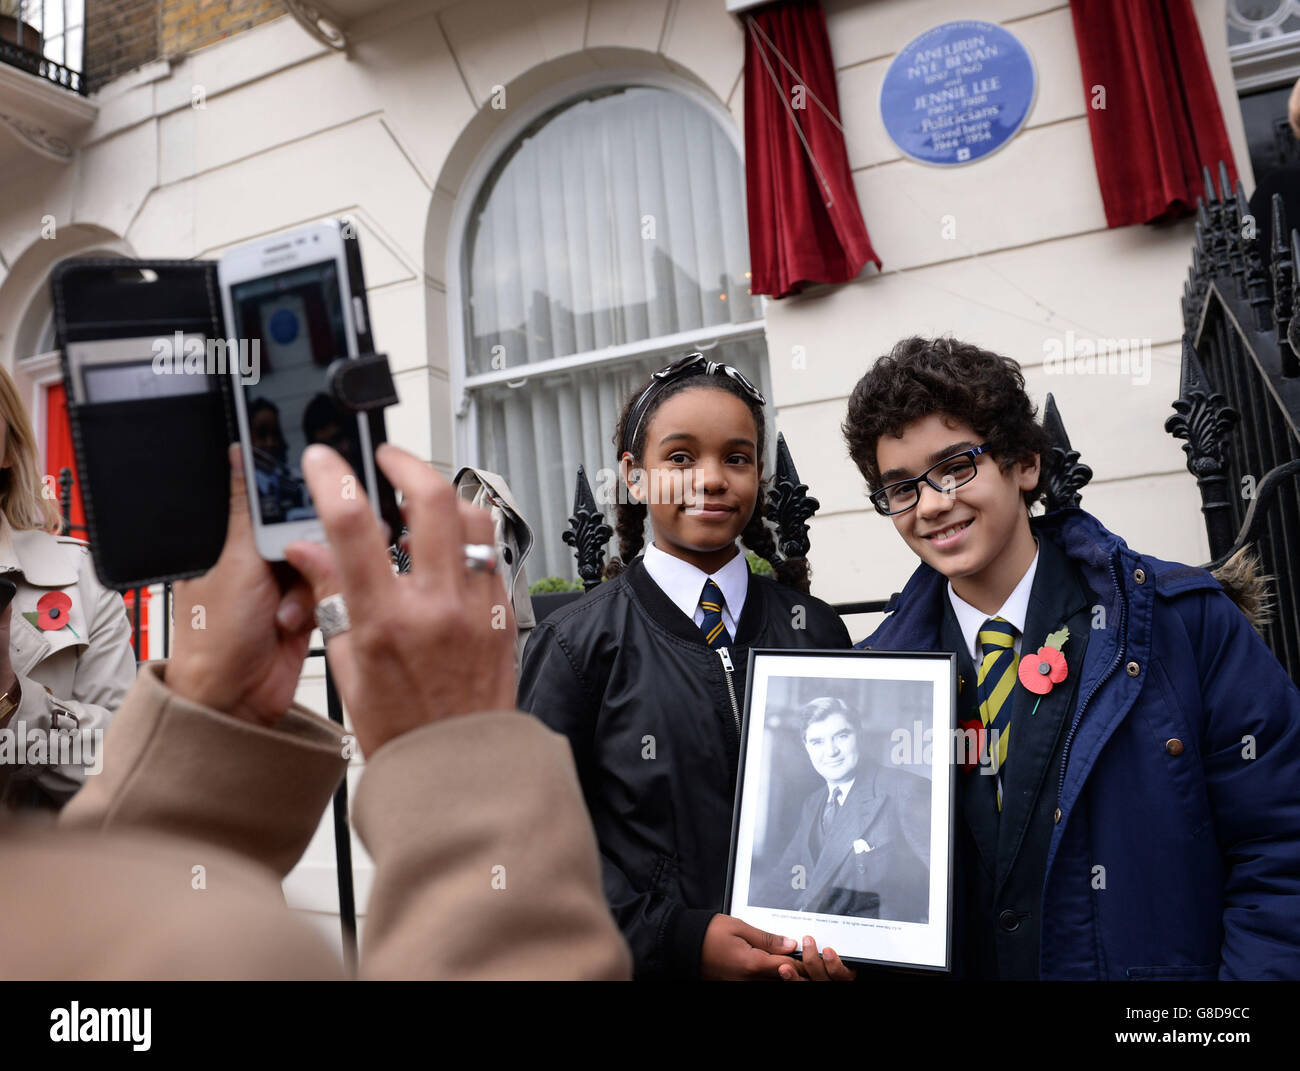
481	557
331	615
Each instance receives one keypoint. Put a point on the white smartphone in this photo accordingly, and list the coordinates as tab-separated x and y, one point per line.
297	301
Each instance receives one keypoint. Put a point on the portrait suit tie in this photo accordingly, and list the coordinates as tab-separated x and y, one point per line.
829	810
996	677
715	632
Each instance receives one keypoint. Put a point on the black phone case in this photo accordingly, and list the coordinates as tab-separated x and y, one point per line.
366	345
154	472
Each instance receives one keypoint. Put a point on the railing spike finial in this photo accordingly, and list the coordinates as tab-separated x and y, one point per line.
1065	474
1278	212
1289	344
1257	277
1209	240
1211	196
587	532
1203	419
1199	276
1233	242
1283	270
790	505
1225	183
65	501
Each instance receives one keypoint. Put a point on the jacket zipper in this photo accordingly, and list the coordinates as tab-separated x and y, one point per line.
727	669
1119	657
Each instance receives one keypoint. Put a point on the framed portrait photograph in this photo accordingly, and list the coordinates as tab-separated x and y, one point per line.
844	803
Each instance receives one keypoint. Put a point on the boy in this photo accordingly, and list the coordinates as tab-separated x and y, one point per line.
1143	819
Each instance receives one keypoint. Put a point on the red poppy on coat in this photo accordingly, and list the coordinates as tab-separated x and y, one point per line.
1038	679
52	610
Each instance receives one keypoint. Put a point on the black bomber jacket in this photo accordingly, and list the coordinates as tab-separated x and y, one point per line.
653	715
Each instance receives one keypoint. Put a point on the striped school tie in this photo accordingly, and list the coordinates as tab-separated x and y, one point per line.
996	679
715	632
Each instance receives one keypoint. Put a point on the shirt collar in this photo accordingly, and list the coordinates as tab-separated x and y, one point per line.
40	557
1014	611
682	582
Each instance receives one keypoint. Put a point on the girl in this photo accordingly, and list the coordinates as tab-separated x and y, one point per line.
645	674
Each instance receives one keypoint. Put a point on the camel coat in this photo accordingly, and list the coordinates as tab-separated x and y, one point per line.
196	817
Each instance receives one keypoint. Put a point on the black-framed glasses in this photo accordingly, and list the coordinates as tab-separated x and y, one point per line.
693	364
952	472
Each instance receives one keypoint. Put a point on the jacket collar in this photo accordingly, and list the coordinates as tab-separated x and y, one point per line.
660	607
916	613
38	556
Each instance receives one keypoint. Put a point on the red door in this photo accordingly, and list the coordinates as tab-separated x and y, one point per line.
58	456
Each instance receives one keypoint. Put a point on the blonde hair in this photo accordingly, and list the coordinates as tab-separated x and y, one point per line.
21	500
1293	108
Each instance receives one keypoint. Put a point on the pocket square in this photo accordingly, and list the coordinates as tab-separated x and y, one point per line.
860	847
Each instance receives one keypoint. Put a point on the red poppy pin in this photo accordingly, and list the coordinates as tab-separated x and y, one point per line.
1040	672
53	612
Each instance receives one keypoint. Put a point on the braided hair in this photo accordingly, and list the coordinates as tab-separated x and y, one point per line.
630	515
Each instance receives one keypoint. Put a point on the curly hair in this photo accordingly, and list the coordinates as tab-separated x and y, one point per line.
920	376
758	534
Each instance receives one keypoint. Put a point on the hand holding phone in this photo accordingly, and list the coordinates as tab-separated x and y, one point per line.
296	302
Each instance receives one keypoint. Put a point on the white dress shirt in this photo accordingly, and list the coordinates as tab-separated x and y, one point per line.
1014	611
683	583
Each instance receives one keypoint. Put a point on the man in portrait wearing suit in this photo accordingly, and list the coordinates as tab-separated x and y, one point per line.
862	845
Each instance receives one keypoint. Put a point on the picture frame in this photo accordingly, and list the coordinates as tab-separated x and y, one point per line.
845	801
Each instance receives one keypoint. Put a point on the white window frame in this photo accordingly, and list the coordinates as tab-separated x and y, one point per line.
1265	64
465	415
43	371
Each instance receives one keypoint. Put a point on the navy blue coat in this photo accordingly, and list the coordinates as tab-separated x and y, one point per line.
1200	844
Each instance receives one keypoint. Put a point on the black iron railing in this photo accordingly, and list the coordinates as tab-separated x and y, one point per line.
1239	404
44	38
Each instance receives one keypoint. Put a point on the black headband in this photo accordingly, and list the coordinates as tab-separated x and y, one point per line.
693	364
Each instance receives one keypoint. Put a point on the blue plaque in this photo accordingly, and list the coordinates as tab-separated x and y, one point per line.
957	93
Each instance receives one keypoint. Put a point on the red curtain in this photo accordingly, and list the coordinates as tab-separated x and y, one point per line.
1144	61
58	451
804	222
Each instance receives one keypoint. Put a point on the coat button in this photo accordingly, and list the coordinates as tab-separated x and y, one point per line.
1008	921
1140	575
1133	669
1174	746
1056	818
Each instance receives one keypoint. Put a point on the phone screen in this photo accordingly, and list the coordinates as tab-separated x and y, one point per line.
293	324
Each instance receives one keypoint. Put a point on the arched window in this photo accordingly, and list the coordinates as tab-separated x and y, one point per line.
608	238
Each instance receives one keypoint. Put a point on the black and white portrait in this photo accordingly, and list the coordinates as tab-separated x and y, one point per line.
860	843
841	800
